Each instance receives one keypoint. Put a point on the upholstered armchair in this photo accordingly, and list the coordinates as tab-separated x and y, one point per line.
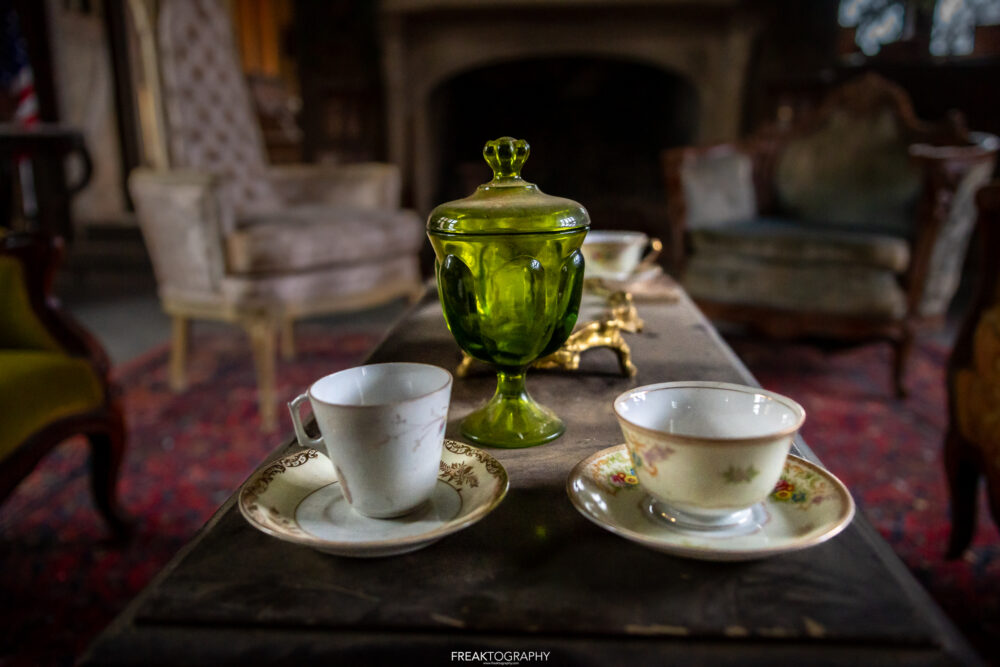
232	238
972	441
54	380
853	224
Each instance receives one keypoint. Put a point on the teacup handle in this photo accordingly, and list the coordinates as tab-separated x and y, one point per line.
300	431
655	248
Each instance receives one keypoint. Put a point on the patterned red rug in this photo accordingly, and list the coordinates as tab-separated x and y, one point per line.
888	452
61	583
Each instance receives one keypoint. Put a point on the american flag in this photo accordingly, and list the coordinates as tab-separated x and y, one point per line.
15	68
18	80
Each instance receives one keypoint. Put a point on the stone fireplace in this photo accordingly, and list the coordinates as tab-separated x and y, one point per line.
594	85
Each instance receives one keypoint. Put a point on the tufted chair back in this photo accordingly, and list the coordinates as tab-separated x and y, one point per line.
210	121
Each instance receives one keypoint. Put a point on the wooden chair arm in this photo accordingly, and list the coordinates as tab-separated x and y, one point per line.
672	160
185	220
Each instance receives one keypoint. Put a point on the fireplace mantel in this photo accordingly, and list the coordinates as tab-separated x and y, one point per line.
427	42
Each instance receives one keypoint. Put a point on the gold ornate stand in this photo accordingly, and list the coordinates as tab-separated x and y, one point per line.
606	331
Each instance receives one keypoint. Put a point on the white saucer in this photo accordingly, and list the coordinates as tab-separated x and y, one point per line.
298	499
809	506
622	279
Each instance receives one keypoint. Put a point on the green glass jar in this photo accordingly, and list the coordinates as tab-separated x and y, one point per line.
510	276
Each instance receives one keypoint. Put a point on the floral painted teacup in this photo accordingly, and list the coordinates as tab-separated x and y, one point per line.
707	452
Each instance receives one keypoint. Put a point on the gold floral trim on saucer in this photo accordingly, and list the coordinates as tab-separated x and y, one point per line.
492	466
298	499
250	492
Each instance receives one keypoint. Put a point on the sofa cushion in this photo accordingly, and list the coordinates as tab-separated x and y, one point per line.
39	387
784	241
852	172
307	237
718	189
828	288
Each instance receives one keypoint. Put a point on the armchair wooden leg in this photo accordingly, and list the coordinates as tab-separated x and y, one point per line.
963	485
180	330
288	339
902	347
107	448
263	334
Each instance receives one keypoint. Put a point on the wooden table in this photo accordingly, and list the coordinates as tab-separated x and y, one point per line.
535	575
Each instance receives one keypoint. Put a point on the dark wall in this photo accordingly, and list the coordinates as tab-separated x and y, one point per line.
589	120
796	58
337	54
795	54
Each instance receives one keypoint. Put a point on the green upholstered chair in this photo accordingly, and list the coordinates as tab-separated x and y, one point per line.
852	224
54	380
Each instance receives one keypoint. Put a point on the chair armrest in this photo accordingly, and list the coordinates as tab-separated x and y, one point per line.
39	255
945	218
371	185
707	186
184	221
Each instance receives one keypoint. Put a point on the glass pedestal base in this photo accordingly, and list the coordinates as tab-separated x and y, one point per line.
512	419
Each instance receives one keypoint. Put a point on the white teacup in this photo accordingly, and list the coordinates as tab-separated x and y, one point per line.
707	452
382	426
617	255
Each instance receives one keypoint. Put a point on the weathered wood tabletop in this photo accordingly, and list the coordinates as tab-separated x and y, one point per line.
535	575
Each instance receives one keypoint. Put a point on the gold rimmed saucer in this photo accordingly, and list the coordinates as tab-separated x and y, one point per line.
807	507
298	499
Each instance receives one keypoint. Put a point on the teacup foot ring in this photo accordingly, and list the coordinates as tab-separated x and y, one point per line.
740	522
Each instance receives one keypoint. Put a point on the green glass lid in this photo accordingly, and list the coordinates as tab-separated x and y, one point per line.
508	204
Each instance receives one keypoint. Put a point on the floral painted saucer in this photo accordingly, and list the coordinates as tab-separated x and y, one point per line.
298	499
808	506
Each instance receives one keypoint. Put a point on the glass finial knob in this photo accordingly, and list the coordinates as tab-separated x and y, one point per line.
506	156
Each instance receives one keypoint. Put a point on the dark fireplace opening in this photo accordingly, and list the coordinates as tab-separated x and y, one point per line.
596	127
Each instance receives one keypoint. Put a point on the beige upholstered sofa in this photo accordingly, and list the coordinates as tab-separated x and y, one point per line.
235	239
853	224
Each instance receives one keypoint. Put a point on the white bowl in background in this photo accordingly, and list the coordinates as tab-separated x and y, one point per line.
613	255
